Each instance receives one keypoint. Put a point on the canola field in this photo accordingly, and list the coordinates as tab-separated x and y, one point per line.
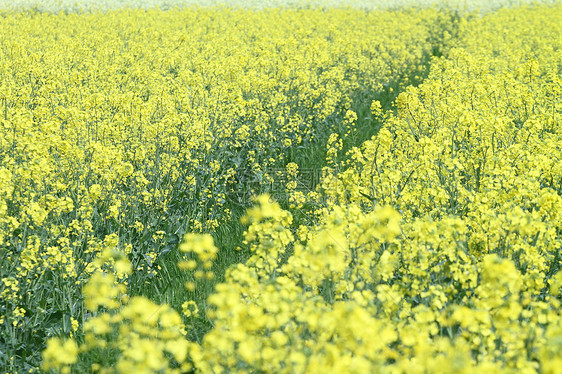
291	188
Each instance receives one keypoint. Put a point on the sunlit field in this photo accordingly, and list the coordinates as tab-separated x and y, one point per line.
280	187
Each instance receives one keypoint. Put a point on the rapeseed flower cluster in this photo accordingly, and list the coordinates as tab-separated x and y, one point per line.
439	250
122	333
122	131
470	162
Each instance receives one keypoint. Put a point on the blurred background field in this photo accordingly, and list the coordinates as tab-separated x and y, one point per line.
81	5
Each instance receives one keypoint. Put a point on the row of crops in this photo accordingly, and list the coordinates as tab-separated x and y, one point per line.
281	190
